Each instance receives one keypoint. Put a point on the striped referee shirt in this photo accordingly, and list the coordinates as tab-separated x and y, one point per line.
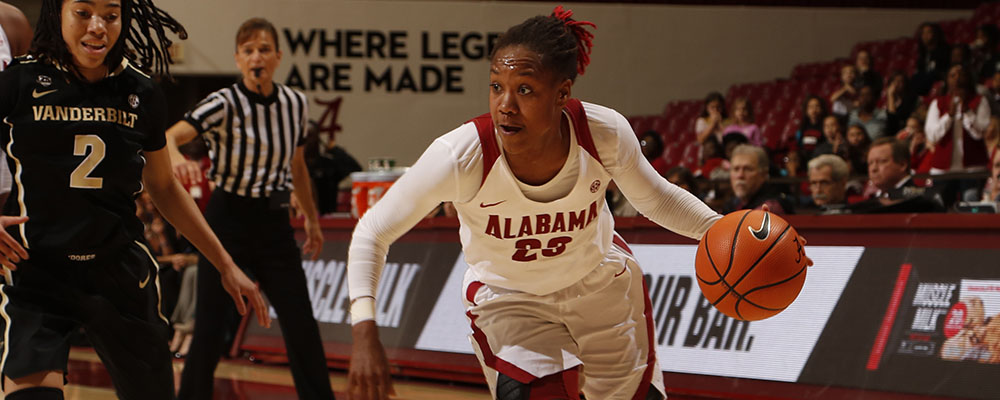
251	139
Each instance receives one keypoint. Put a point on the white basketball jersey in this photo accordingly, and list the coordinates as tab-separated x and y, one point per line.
516	243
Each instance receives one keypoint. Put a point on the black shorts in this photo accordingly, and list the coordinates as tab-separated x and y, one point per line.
113	296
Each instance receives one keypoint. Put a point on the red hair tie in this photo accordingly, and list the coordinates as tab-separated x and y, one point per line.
583	36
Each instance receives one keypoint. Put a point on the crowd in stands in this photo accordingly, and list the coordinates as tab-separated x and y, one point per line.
905	125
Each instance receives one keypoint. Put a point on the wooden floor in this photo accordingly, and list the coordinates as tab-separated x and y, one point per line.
243	380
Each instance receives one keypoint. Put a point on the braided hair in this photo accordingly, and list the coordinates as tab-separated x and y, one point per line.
143	39
563	44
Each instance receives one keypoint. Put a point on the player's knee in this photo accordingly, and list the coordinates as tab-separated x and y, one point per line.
559	386
36	393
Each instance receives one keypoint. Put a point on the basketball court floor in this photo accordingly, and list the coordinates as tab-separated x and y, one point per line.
244	380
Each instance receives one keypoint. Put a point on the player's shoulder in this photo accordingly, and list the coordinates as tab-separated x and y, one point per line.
463	140
136	79
25	64
605	122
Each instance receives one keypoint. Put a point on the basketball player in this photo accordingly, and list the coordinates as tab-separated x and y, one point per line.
15	38
552	293
256	134
84	134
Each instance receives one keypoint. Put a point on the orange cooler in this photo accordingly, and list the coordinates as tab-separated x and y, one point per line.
368	187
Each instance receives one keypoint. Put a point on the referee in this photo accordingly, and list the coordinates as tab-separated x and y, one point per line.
255	131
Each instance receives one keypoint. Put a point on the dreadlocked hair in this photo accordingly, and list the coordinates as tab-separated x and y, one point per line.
563	43
143	38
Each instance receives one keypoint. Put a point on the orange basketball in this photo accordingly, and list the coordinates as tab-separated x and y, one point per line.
751	265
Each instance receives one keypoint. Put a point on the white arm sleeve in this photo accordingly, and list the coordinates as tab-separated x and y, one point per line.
431	180
937	125
659	200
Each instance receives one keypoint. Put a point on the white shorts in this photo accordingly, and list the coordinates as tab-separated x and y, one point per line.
602	322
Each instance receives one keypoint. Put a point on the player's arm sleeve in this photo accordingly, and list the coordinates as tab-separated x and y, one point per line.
431	180
209	114
156	115
656	198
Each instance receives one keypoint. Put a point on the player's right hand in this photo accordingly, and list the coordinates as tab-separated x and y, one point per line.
11	252
368	378
188	172
238	285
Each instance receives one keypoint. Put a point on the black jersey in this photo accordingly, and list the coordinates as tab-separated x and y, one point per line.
75	151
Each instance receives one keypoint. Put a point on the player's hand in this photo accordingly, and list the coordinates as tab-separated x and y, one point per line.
238	285
809	261
314	239
11	252
188	172
368	377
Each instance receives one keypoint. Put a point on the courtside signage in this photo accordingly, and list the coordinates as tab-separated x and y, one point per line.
692	337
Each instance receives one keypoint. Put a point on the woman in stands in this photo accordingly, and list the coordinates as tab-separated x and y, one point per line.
933	56
713	115
810	133
538	164
743	122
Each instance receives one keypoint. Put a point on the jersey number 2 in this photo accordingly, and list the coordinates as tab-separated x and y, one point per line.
93	147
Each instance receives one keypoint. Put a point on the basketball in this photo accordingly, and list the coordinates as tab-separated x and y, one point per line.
751	265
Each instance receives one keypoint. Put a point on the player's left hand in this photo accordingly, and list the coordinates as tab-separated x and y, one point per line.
238	285
11	252
314	239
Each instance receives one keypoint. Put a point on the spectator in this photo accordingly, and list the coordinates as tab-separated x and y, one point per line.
730	141
712	158
748	176
960	55
683	178
866	72
920	155
992	190
835	140
182	317
900	102
992	138
810	133
651	144
933	55
984	51
328	165
858	142
867	114
991	91
828	181
842	100
743	122
889	172
709	122
958	146
913	125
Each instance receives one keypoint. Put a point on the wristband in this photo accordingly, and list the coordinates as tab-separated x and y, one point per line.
362	309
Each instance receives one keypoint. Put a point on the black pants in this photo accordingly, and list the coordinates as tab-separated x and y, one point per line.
261	241
114	297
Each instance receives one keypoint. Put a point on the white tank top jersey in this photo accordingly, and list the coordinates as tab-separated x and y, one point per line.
5	53
510	240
